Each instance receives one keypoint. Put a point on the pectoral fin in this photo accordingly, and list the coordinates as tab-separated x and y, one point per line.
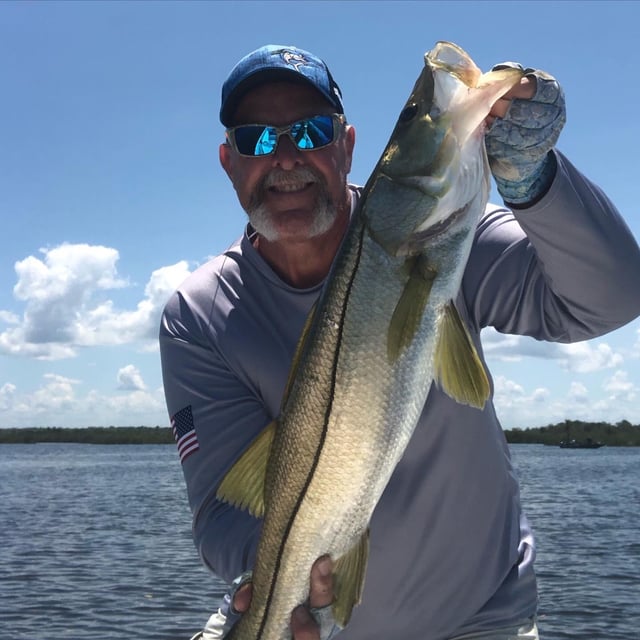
349	572
410	308
458	368
243	486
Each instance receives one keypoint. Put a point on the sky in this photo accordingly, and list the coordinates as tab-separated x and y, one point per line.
111	192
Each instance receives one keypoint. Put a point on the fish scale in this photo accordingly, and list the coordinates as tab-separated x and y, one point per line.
384	329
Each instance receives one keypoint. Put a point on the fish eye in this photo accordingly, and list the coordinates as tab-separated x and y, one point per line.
408	113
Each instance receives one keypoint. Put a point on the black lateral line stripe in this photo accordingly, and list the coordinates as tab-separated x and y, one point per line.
323	436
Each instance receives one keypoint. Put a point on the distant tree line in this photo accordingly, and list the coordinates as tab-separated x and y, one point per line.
88	435
621	434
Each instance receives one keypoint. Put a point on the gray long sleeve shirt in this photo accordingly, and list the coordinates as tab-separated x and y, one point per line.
450	549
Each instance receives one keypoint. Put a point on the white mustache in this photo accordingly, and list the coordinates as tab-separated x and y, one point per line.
295	178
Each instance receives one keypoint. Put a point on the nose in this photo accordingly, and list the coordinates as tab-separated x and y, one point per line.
286	155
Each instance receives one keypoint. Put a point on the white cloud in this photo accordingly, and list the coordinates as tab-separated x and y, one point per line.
540	395
7	393
106	325
137	407
578	393
580	357
512	400
585	357
60	401
507	388
517	407
66	307
129	379
620	387
57	395
13	342
510	392
69	269
9	318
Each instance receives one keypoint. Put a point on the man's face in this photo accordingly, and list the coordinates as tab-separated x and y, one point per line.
291	194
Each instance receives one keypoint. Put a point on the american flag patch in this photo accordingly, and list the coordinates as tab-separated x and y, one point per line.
184	433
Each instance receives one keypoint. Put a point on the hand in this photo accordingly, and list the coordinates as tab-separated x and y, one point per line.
523	128
525	90
304	626
313	622
316	621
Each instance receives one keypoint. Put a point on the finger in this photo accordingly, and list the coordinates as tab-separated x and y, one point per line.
242	598
524	90
303	626
499	108
321	587
489	120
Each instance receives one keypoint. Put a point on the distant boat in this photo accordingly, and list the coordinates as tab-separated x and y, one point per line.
580	444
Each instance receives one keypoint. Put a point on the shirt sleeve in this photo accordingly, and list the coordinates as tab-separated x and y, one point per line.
565	269
226	415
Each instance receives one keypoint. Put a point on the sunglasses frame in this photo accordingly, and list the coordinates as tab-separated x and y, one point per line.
338	119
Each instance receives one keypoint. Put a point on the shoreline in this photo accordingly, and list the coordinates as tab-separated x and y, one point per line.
622	434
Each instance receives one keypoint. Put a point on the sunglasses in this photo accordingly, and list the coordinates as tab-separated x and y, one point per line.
254	140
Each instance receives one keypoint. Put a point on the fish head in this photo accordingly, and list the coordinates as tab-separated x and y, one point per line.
433	174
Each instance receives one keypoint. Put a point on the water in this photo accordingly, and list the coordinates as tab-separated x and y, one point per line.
584	506
97	543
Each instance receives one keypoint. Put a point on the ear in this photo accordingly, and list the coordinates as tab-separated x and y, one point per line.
225	155
349	143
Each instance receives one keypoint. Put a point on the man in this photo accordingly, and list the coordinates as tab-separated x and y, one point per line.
451	553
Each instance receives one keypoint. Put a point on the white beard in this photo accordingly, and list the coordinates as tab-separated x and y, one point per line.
261	219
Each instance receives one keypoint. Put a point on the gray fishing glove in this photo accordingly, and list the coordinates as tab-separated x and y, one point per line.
519	145
221	622
327	623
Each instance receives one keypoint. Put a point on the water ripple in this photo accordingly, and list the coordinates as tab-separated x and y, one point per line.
97	543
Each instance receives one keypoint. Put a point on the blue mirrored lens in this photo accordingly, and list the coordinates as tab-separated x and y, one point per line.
255	140
260	140
314	133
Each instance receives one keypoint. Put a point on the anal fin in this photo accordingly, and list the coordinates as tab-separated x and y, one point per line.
458	368
349	572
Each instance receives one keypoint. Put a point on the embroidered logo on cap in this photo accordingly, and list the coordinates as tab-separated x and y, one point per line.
294	59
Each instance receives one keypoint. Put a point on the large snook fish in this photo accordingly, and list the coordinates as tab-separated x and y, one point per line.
382	331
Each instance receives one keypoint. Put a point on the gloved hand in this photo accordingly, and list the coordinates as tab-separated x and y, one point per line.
221	622
518	144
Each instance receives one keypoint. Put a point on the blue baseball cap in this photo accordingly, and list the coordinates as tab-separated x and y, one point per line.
275	62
